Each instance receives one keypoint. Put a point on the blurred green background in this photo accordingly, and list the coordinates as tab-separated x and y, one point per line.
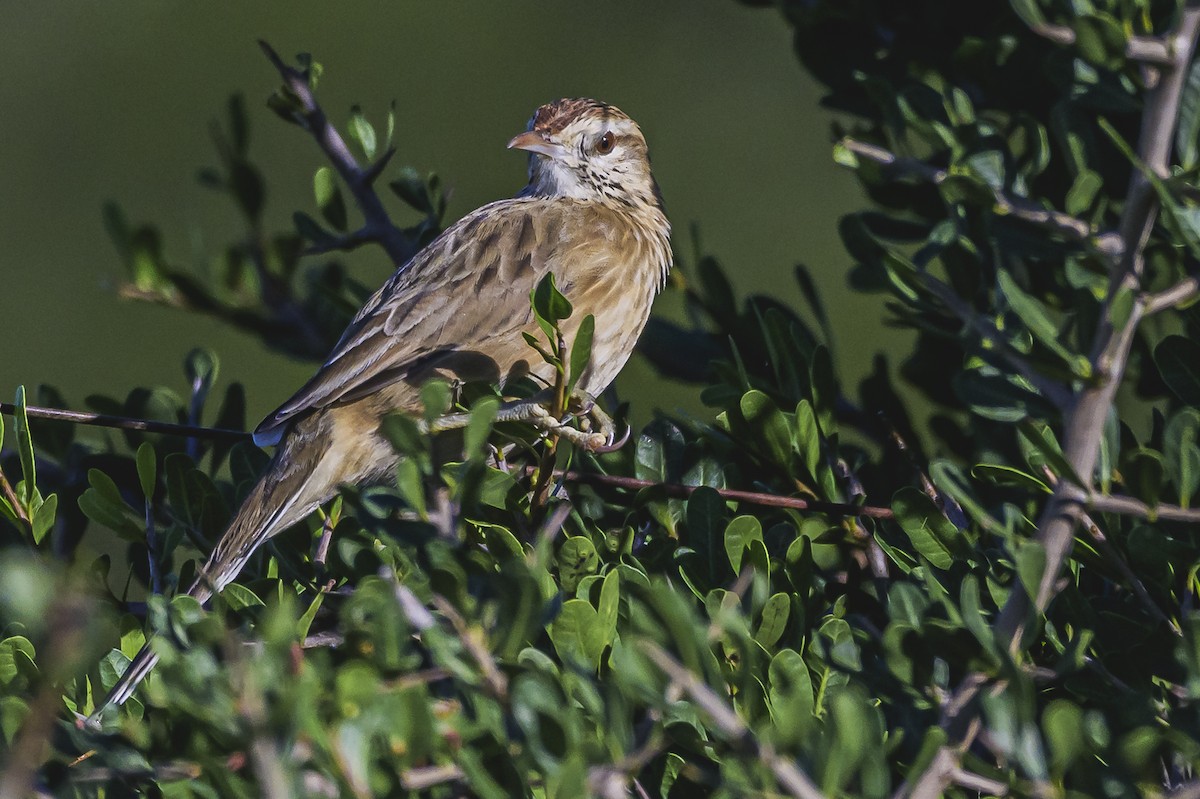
114	102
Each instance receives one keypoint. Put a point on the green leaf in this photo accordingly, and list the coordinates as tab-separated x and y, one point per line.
774	619
581	351
1062	722
549	306
1187	134
147	469
610	601
1100	40
767	426
808	438
25	450
411	485
931	533
413	190
1031	563
1178	361
999	474
362	133
1033	313
1041	448
329	198
483	416
10	667
1144	469
239	597
576	559
1083	192
791	694
435	399
1029	12
102	503
43	518
1181	451
740	531
577	633
309	230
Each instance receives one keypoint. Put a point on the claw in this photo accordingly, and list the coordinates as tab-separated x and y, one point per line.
613	446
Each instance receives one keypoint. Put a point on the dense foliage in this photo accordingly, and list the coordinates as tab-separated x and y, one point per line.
988	588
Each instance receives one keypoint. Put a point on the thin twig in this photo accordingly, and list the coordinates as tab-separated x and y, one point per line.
11	495
613	481
425	777
126	423
360	181
681	491
1128	506
977	782
1176	295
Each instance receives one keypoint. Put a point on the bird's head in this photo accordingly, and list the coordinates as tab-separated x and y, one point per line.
588	150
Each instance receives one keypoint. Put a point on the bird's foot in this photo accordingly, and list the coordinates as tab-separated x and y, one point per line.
596	433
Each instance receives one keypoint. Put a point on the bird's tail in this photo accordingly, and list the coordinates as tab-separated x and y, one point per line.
304	473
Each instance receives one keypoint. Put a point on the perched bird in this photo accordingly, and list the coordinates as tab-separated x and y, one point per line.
591	214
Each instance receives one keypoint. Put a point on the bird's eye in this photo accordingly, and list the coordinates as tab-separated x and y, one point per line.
605	144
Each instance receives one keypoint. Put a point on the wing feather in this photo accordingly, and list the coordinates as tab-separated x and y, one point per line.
467	289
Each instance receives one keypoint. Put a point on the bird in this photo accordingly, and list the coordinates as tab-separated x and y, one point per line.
591	215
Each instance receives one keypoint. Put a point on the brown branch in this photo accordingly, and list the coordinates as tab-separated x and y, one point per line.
127	423
680	491
359	180
11	495
612	481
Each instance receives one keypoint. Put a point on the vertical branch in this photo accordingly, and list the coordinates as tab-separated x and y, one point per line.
1084	424
1085	416
541	491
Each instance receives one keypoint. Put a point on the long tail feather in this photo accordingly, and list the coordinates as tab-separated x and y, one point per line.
302	475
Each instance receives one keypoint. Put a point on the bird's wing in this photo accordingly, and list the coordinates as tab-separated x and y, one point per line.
467	290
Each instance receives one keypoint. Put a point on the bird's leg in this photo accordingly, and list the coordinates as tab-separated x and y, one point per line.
589	412
532	411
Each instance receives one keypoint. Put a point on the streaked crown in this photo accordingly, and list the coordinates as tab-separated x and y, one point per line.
588	150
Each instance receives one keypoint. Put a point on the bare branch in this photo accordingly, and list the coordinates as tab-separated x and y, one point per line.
425	777
358	180
754	498
126	423
1128	506
1178	294
1147	49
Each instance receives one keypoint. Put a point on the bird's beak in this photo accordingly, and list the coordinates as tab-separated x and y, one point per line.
538	143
